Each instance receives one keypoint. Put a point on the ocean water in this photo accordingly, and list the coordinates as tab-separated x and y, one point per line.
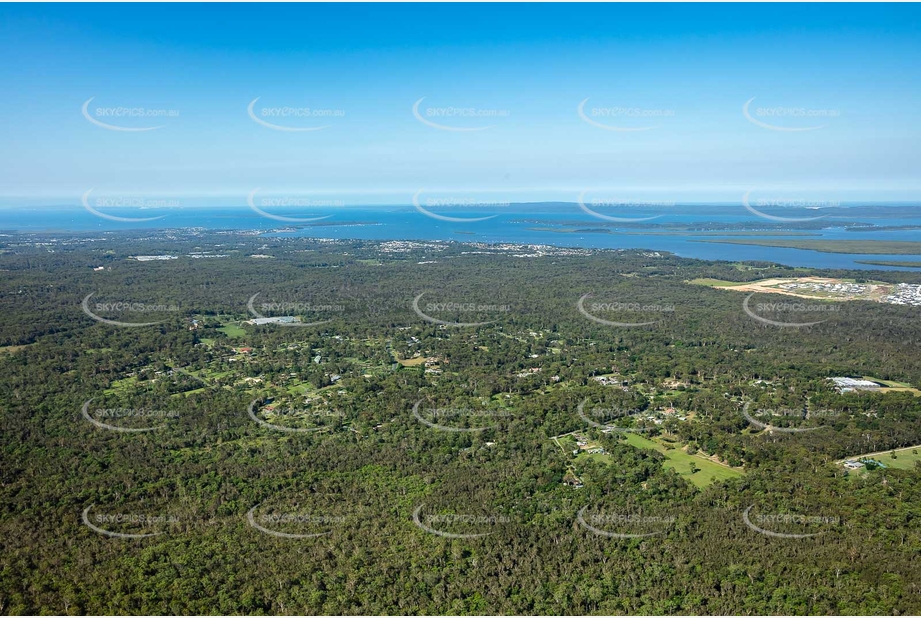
514	224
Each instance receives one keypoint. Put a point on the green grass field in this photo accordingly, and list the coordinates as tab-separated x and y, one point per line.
599	457
680	462
412	362
208	374
717	282
300	388
16	348
891	385
234	331
191	392
905	459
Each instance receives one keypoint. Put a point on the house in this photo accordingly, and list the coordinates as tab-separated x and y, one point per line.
530	371
611	381
571	480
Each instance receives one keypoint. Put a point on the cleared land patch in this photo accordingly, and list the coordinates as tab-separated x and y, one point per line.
10	349
696	468
819	288
233	330
890	386
905	459
412	362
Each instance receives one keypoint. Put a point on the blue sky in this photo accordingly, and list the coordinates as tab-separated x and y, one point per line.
684	71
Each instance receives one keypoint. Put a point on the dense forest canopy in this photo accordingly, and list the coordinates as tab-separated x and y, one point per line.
440	429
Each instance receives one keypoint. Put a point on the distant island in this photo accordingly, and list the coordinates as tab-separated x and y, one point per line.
676	232
881	247
890	263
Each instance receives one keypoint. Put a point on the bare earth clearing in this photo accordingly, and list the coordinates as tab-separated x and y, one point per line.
873	291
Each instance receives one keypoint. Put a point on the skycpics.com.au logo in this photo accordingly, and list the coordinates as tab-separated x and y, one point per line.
786	202
770	117
623	525
457	119
100	417
620	307
301	415
769	524
121	203
124	307
622	119
121	118
788	420
269	523
287	202
294	309
603	417
454	307
287	118
447	418
623	204
103	523
455	203
787	307
131	419
437	523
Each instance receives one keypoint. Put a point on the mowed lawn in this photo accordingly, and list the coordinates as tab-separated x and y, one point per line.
904	459
716	282
680	462
412	362
891	385
234	331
